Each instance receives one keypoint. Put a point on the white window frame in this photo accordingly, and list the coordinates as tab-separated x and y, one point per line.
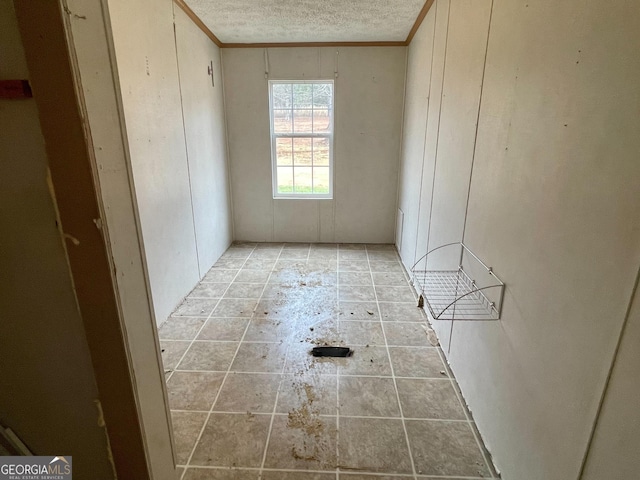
274	136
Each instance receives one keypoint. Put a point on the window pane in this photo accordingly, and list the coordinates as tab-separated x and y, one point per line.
320	179
302	151
302	95
322	93
282	95
284	154
321	151
321	121
303	180
282	121
302	121
301	137
285	179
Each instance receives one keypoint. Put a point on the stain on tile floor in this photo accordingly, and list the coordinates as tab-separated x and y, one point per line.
250	403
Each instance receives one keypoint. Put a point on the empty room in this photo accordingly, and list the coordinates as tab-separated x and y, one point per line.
340	240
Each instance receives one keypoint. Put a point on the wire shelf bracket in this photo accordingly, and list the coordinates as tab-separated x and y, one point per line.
470	291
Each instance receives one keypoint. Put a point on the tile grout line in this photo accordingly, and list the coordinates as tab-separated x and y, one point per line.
204	426
327	472
362	319
210	313
202	327
254	298
324	415
282	376
372	344
465	409
454	385
174	369
404	425
440	378
288	352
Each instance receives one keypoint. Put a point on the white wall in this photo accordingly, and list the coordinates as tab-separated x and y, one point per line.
90	42
552	207
418	82
368	118
179	167
616	442
204	123
47	384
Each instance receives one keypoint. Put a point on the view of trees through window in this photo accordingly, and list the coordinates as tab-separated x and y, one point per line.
301	135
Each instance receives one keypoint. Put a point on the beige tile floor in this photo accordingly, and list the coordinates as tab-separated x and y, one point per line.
248	401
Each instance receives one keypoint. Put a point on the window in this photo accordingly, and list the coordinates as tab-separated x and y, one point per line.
302	138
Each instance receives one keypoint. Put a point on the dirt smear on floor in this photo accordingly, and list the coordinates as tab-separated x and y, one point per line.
313	446
306	417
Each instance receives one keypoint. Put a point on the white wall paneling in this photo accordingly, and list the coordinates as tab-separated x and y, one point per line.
175	129
552	207
368	114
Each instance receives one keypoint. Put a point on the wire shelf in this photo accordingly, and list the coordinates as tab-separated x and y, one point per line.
469	292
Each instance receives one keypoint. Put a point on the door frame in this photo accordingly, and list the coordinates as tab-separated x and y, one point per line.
70	56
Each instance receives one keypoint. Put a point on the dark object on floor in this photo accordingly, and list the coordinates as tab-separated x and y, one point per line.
331	352
421	302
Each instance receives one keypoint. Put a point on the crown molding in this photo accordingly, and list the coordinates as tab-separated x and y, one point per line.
191	14
201	25
314	44
419	19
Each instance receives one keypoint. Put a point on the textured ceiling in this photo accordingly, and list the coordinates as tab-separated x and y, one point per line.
277	21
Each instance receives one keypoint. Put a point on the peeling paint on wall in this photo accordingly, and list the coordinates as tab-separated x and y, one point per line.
102	424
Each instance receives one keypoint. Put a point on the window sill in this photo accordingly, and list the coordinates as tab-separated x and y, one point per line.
302	197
